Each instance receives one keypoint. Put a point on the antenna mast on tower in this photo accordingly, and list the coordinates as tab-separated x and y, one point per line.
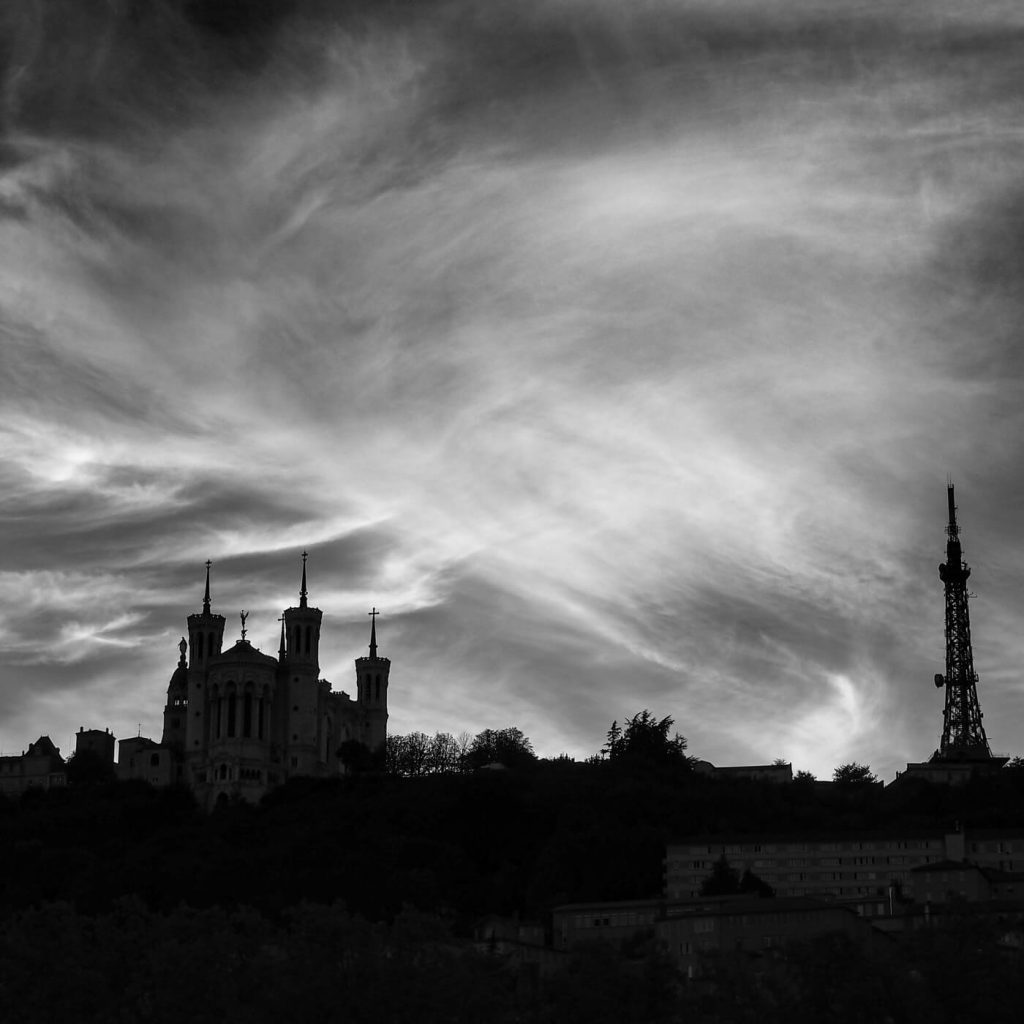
963	735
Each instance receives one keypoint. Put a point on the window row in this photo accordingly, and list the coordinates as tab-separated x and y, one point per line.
201	641
298	635
249	721
370	684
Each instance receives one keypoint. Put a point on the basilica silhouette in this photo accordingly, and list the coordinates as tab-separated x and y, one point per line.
239	722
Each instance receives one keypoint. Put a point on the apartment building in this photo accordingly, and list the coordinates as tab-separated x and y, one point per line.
689	929
848	866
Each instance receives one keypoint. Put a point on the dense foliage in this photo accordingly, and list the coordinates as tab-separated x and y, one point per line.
464	844
645	740
356	899
322	963
853	774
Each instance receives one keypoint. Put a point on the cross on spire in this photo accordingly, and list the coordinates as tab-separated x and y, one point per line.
373	632
281	649
303	593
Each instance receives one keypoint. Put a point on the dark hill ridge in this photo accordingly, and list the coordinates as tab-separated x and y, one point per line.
465	845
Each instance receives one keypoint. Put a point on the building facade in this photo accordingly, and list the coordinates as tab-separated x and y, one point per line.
846	867
690	929
39	767
824	866
240	722
142	758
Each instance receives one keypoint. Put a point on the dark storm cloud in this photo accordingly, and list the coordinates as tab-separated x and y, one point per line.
122	511
108	68
91	68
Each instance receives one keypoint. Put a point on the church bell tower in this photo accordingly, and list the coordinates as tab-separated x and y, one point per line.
205	632
302	631
372	690
300	673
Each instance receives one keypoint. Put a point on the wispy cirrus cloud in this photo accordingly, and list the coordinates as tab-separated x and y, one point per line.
619	355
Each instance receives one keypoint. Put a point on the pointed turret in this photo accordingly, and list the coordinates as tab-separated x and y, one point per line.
205	630
206	596
372	675
302	628
299	679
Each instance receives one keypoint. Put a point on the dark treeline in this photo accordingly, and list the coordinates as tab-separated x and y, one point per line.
463	844
355	898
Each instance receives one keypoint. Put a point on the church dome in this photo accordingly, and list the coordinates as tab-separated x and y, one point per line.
179	681
243	651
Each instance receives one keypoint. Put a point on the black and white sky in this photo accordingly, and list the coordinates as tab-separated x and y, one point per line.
617	352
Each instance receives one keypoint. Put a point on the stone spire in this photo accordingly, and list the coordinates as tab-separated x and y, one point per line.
206	596
373	632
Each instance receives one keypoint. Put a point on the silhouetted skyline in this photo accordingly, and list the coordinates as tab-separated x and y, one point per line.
619	356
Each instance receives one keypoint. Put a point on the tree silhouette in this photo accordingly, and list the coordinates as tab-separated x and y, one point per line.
500	746
646	740
853	774
613	741
724	880
87	768
754	885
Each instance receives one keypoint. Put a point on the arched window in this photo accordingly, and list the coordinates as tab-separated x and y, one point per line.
376	695
220	707
223	771
231	714
209	645
309	635
247	715
298	636
259	718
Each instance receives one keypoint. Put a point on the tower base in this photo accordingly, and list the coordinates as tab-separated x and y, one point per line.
952	771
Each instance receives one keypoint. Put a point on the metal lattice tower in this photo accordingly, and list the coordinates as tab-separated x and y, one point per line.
963	735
